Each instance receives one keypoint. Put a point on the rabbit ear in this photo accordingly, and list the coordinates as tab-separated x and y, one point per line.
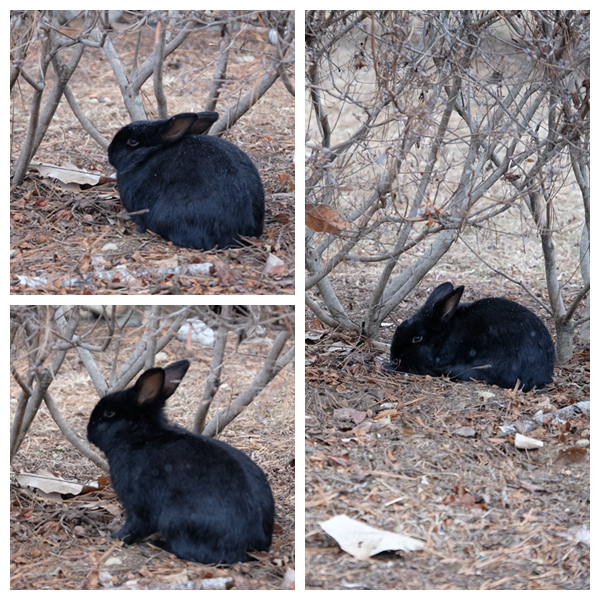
149	386
173	375
444	300
204	122
178	126
159	384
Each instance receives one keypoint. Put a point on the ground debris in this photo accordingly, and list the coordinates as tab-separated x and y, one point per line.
494	517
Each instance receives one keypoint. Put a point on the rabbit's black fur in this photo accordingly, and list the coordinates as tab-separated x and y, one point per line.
492	340
196	190
210	502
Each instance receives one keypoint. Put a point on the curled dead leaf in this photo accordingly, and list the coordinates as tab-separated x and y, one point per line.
350	414
362	541
49	484
465	431
527	443
67	174
324	219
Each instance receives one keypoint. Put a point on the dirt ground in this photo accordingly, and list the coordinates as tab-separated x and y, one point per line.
65	239
425	457
63	543
428	461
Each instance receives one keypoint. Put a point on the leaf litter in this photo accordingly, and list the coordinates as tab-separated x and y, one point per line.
430	459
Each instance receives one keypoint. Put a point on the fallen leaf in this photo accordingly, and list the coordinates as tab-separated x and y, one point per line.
581	533
289	579
66	174
570	456
530	487
340	461
224	273
49	484
216	583
271	264
386	413
527	443
350	414
362	541
323	218
465	432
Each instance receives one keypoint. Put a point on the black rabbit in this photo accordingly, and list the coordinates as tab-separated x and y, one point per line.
198	191
210	502
492	340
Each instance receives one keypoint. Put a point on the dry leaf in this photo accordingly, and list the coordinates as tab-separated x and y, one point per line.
361	540
570	456
465	431
390	413
323	218
65	174
289	579
196	330
350	414
50	484
338	461
530	487
526	443
272	263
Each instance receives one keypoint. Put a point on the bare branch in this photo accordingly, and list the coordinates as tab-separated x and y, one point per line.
426	125
269	370
213	382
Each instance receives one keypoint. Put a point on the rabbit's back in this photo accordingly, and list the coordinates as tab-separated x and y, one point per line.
505	335
217	197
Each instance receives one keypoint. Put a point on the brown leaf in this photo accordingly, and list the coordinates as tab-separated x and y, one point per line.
466	500
570	456
323	218
287	180
226	277
350	414
340	461
84	265
41	203
388	412
282	218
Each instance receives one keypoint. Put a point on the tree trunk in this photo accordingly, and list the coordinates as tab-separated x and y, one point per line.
565	331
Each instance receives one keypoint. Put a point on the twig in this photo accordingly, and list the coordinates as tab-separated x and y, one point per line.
213	382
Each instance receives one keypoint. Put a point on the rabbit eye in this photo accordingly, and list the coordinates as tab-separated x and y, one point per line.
132	142
417	339
109	414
